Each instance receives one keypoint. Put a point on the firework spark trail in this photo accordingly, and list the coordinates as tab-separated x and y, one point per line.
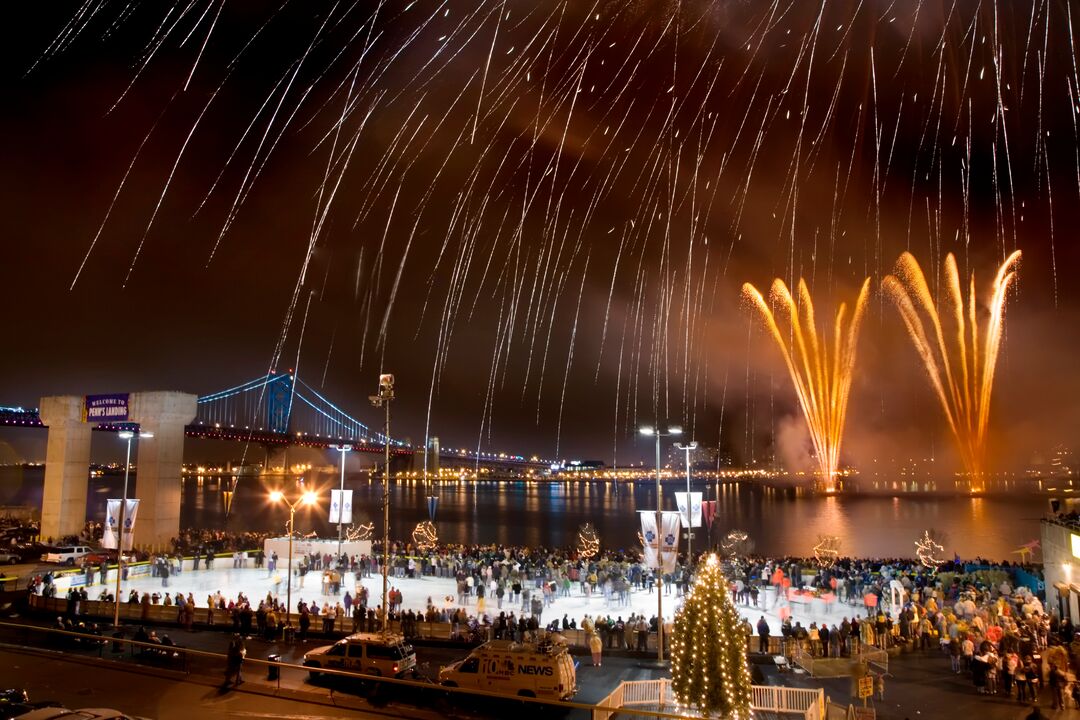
487	65
960	360
206	40
821	372
160	37
236	148
165	189
116	196
547	159
570	355
69	32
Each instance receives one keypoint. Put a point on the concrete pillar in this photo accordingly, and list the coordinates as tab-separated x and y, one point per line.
67	467
159	461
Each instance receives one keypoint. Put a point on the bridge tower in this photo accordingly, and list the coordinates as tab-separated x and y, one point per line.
279	404
159	460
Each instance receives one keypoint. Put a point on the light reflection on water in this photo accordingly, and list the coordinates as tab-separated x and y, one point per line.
539	513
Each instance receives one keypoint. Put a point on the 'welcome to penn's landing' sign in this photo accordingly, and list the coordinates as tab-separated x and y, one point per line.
106	408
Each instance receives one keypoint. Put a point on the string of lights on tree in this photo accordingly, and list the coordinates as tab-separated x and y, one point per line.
709	670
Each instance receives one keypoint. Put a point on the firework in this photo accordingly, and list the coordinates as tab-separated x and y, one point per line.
821	371
959	356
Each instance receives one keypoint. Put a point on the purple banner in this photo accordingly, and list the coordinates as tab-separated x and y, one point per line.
106	408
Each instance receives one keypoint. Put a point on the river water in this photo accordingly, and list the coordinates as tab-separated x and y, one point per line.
541	513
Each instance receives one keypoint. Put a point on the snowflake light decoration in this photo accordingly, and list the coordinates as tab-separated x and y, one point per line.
359	533
827	550
930	552
588	544
735	542
425	536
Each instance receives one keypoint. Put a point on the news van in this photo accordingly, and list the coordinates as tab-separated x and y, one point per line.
533	669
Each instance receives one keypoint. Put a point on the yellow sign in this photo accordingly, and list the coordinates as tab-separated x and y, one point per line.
1075	545
866	687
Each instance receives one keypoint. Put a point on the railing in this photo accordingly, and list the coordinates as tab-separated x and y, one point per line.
787	700
809	703
840	666
647	692
614	700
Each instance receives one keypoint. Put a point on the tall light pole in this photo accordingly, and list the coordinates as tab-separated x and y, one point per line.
658	433
687	448
385	395
308	498
341	497
128	436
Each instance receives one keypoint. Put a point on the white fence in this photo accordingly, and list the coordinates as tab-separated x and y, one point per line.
810	704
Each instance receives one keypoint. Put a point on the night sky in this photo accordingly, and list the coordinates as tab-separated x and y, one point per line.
537	215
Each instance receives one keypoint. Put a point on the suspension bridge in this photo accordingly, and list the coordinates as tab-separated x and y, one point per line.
275	410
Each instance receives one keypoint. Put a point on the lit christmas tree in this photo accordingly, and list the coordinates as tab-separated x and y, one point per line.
708	649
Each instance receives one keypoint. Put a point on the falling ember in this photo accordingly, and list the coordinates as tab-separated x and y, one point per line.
821	371
960	359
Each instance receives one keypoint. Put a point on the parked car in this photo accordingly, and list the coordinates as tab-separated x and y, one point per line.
29	552
369	653
67	555
15	702
60	713
9	558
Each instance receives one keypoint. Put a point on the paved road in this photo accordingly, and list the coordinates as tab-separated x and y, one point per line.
77	685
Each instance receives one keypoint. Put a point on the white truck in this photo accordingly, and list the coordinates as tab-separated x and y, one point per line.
67	554
534	669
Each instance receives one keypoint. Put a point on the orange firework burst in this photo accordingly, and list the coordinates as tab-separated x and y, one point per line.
959	358
820	370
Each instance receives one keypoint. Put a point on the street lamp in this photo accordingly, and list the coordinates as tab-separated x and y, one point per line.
382	399
658	433
341	497
687	448
307	498
128	436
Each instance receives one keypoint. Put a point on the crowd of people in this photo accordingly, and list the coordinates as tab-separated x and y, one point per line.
980	624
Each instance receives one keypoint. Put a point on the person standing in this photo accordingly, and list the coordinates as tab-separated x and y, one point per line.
1058	681
235	660
763	635
596	646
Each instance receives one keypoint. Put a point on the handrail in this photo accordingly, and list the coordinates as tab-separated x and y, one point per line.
808	702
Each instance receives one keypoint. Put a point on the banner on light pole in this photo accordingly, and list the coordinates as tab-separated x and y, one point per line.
341	506
112	519
112	522
649	536
669	540
693	518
